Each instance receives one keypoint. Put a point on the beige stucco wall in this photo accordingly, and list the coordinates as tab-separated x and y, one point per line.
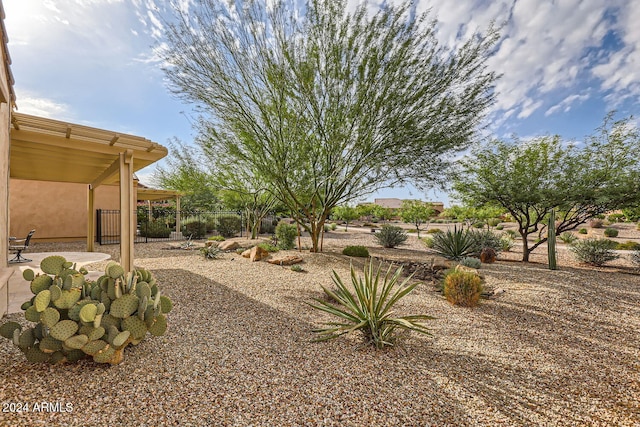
57	210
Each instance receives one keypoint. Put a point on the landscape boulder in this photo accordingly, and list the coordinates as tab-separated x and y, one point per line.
228	246
257	254
287	260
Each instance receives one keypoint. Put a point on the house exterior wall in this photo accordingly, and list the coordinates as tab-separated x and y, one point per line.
57	210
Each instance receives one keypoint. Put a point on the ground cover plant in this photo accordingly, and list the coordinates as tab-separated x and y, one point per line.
390	236
595	252
356	250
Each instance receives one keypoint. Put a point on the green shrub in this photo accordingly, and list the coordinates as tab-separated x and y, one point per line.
486	239
268	247
434	231
326	228
595	251
391	236
471	262
228	225
78	318
194	229
357	251
596	223
456	244
583	231
506	243
268	226
412	231
616	217
500	227
217	238
610	232
512	233
286	235
155	229
297	268
428	241
479	224
211	223
462	288
493	222
333	226
210	252
568	237
369	308
628	246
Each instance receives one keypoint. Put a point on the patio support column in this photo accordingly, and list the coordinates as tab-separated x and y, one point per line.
91	220
127	227
149	210
177	214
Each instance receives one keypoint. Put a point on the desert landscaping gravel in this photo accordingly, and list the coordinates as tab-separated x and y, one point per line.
556	348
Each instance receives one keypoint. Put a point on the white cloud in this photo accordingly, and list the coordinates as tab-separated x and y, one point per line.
566	104
43	107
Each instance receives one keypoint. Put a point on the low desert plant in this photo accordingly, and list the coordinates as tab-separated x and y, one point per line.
462	288
369	308
286	235
583	231
486	239
155	229
493	222
479	224
506	243
596	223
391	236
217	238
357	251
333	226
434	231
500	227
568	237
617	217
210	252
455	244
297	268
471	262
228	225
268	247
628	246
512	233
428	241
595	251
610	232
194	229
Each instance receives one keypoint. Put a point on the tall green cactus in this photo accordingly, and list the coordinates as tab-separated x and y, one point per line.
551	242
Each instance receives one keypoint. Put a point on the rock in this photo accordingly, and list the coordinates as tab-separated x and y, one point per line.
228	246
210	243
257	254
246	253
440	264
488	256
461	267
287	260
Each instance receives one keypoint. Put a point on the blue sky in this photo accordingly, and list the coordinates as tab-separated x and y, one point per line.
564	65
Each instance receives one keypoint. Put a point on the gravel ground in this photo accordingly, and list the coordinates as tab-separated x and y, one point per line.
557	348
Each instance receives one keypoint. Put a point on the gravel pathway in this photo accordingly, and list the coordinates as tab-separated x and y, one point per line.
555	349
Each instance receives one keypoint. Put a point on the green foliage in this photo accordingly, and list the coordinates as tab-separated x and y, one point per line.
568	237
228	225
346	214
471	262
210	252
369	307
416	212
217	238
428	241
455	244
493	222
286	235
594	251
155	229
499	227
333	226
89	319
628	246
486	239
512	233
357	251
479	224
610	232
391	236
506	243
616	217
462	288
194	229
596	223
268	247
583	231
297	268
632	214
434	231
268	226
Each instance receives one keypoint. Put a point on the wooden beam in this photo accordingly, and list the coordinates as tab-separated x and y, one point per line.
127	217
91	221
68	134
107	173
114	139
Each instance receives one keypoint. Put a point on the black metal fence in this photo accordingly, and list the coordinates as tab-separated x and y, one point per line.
159	224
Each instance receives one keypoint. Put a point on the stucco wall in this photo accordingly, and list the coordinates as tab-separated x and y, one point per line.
57	210
4	181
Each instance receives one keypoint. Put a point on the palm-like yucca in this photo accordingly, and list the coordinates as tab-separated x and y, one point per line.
456	244
369	309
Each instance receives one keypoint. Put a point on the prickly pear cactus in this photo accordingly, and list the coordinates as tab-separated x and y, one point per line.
77	319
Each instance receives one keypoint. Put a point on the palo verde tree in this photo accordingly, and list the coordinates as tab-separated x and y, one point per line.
532	178
325	104
346	213
416	212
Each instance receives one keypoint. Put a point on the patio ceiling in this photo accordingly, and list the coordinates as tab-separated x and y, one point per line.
51	150
152	194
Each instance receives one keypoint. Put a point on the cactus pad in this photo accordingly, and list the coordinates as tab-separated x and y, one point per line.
53	264
57	358
114	270
75	355
109	320
6	330
25	305
49	317
104	355
26	339
143	290
50	345
56	292
88	313
32	315
165	304
124	306
42	300
64	329
28	275
121	339
136	326
40	283
76	342
93	347
68	298
159	326
34	355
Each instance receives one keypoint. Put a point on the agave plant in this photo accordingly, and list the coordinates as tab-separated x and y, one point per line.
369	308
456	244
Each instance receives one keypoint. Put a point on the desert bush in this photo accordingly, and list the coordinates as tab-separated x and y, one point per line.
369	308
268	226
616	217
634	257
512	233
595	251
357	251
228	225
596	223
455	244
434	231
583	231
216	238
479	224
286	235
471	262
500	227
391	236
628	246
462	288
610	232
412	231
268	247
493	222
155	229
210	252
297	268
194	229
428	241
568	237
333	226
506	243
486	239
211	223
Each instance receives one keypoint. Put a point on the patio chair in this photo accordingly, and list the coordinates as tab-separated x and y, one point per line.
16	246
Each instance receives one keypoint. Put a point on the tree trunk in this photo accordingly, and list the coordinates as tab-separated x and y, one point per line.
525	248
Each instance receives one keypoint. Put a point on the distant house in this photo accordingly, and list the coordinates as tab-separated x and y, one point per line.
395	203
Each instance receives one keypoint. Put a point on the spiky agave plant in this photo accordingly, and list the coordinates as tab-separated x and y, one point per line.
369	309
456	244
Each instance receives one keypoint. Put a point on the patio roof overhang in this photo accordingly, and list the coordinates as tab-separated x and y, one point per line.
154	194
51	150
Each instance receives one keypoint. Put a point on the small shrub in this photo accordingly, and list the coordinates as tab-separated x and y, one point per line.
634	257
268	226
268	247
493	222
286	235
357	251
155	229
333	226
326	228
486	239
471	262
610	232
210	252
434	231
595	251
462	288
568	237
239	251
596	223
391	236
512	233
456	244
412	231
506	243
217	238
583	231
628	246
297	268
617	217
194	229
428	241
500	227
228	225
479	224
369	308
